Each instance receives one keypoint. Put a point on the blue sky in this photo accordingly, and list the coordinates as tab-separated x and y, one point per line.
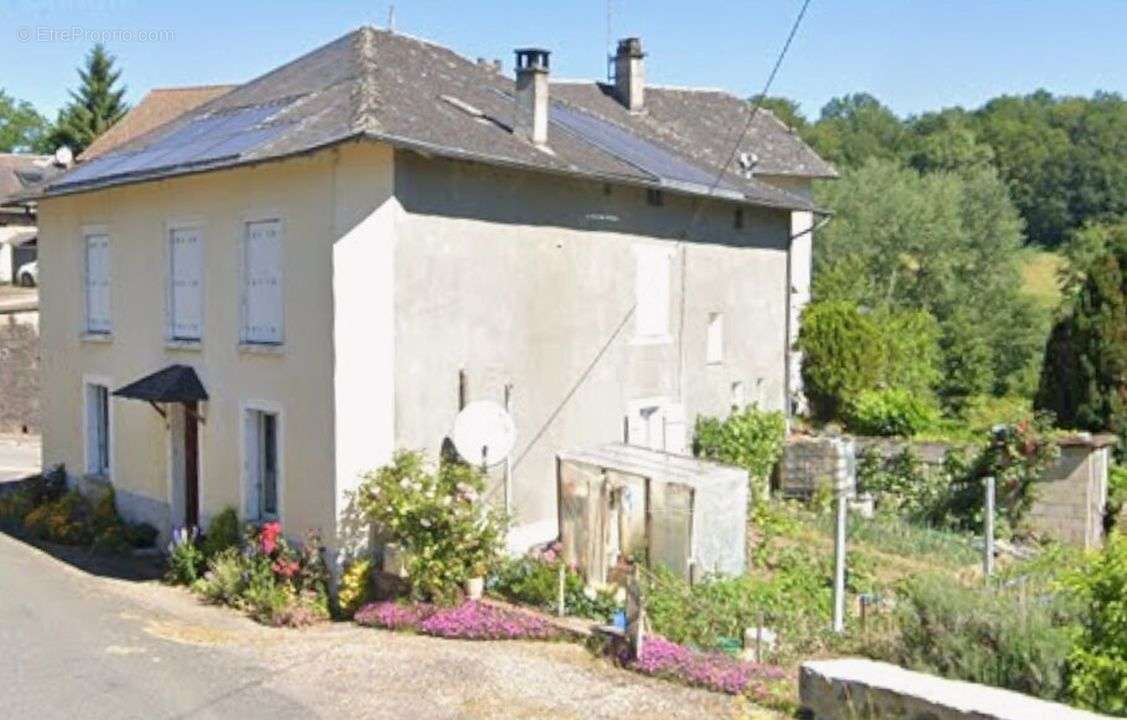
912	54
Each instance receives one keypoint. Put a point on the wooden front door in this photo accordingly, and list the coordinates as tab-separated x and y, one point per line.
191	465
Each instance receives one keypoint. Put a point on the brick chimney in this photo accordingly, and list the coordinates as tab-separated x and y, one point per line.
630	74
531	120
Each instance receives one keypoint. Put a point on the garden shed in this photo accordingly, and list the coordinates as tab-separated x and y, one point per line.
621	502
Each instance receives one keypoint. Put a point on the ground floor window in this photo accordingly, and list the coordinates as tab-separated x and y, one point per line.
97	429
262	463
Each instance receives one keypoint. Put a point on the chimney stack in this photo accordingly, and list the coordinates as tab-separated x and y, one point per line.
629	74
531	120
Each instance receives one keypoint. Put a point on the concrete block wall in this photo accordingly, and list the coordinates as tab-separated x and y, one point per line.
1071	497
19	373
850	688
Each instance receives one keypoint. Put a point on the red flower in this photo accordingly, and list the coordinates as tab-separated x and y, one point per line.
269	535
286	568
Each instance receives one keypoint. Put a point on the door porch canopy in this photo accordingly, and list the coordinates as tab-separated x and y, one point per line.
174	384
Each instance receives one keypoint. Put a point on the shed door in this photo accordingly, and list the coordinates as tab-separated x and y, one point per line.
671	527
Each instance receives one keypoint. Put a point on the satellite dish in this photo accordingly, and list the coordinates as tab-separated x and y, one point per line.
484	433
64	156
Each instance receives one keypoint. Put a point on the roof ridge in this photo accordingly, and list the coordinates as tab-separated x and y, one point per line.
187	88
365	94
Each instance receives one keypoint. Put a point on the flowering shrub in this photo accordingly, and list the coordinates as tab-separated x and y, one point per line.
439	518
271	580
469	621
71	519
185	559
356	586
534	580
715	671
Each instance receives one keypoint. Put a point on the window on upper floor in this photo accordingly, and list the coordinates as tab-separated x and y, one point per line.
651	292
262	282
185	284
714	351
96	277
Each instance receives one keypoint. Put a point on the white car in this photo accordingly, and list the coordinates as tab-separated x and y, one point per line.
28	274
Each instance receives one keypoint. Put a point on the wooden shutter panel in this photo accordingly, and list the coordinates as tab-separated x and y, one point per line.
186	275
676	429
263	282
98	283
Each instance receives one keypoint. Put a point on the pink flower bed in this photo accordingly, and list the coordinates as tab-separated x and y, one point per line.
468	621
715	671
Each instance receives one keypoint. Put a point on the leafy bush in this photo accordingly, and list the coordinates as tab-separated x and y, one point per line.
356	586
901	483
841	355
67	521
750	438
890	411
1017	456
269	579
1116	496
994	637
439	518
223	532
186	561
534	580
1098	661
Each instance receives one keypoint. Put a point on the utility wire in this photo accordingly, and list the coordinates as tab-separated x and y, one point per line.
692	221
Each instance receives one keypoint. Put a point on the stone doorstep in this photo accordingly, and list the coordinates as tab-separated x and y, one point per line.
841	689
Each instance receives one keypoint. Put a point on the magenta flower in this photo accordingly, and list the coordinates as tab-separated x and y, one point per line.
715	671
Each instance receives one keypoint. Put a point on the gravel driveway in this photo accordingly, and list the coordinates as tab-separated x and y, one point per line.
101	647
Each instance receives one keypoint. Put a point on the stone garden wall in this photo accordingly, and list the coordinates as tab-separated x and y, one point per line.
19	373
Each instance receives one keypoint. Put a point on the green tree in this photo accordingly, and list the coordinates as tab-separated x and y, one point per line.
94	107
855	128
945	243
783	108
1084	376
22	128
946	141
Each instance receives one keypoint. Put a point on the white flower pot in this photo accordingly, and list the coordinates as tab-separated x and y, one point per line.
475	587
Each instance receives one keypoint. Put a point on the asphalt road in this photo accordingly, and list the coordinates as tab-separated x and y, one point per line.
19	456
69	649
88	643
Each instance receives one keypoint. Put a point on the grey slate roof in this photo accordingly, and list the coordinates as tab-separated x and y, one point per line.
414	94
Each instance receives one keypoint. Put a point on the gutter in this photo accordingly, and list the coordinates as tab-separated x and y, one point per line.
788	350
401	142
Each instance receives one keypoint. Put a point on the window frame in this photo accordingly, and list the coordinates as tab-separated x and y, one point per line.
90	386
242	244
251	494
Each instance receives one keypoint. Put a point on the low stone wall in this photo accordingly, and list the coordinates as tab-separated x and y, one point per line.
19	373
852	688
813	461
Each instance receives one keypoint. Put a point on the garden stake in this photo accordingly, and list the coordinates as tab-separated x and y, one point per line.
988	532
839	563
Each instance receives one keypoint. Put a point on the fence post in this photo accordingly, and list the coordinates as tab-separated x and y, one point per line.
839	562
988	533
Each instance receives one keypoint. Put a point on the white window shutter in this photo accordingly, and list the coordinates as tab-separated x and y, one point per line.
651	291
98	284
186	250
263	282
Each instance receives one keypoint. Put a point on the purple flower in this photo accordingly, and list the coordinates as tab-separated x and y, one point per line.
715	671
469	621
393	616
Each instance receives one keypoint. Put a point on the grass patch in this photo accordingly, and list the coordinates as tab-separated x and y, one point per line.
1040	272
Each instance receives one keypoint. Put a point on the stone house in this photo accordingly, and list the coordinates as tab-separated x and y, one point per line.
258	302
